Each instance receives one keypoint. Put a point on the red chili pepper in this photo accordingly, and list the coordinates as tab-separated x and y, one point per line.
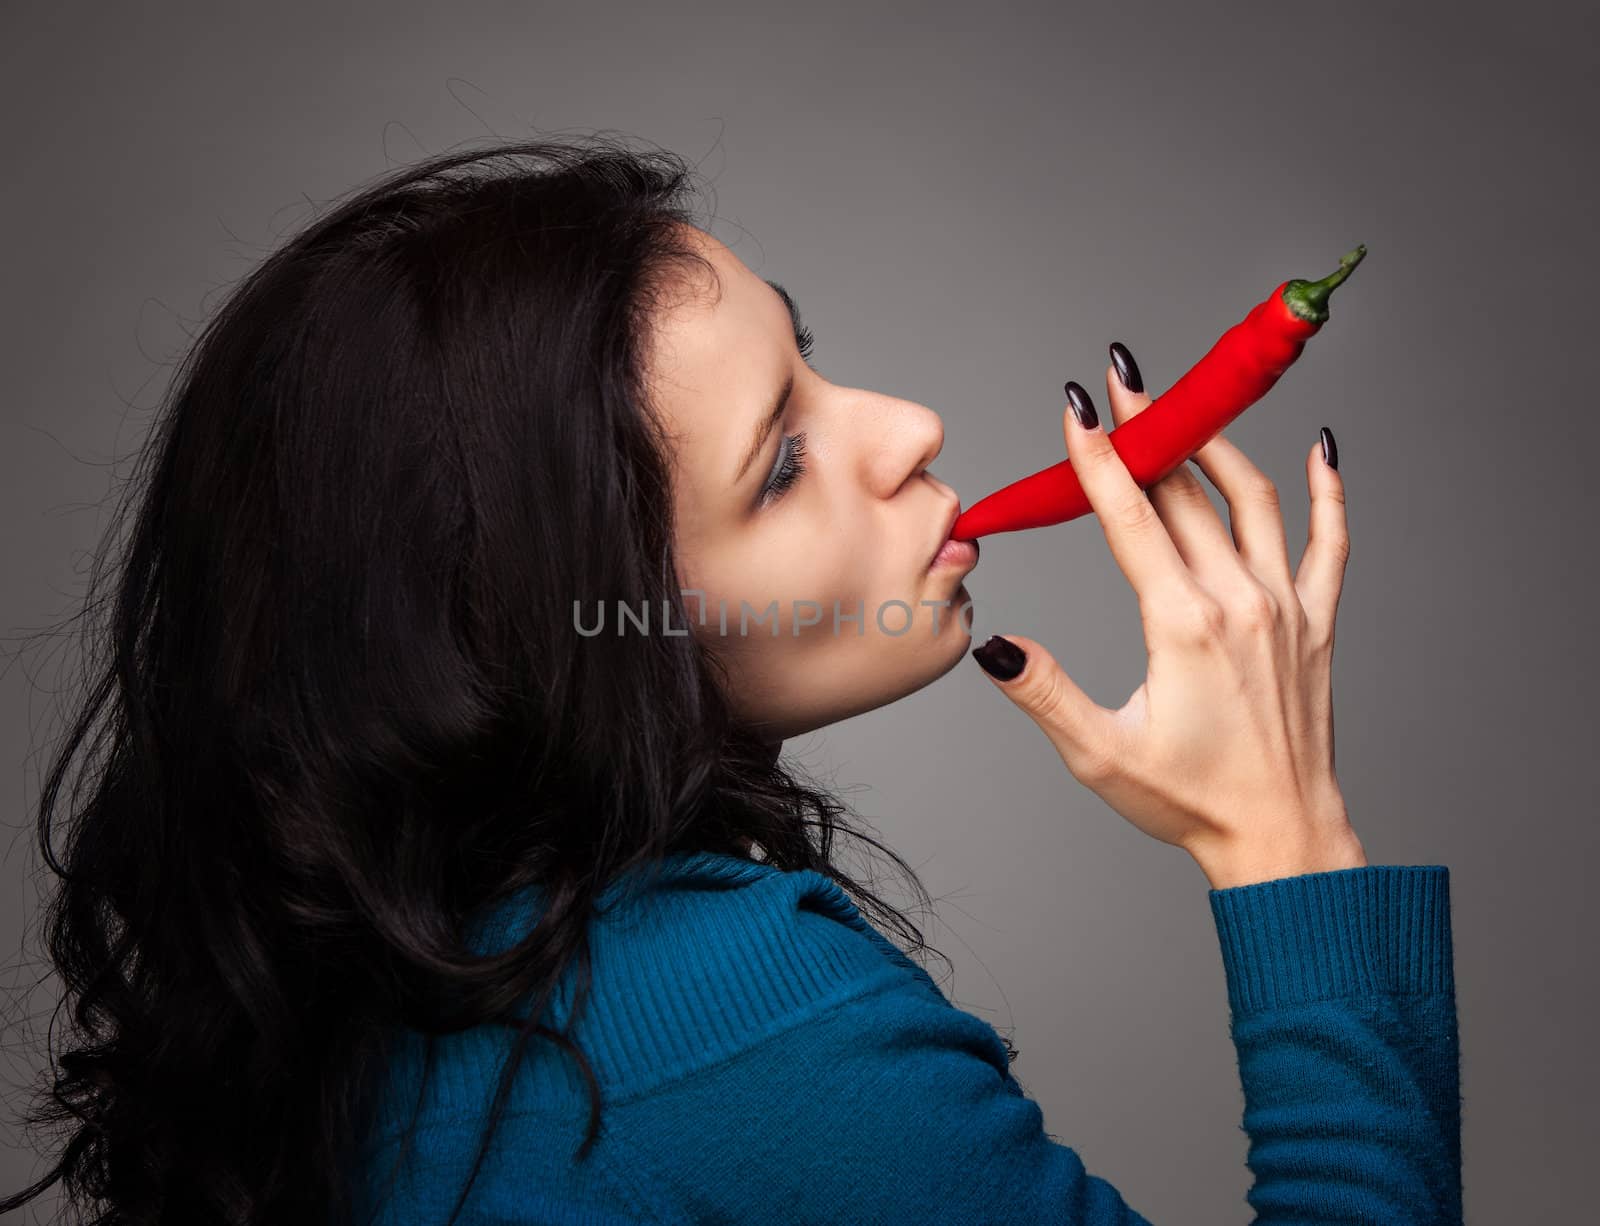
1240	369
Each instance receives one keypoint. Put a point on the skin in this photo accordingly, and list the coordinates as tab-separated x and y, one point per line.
858	526
1226	750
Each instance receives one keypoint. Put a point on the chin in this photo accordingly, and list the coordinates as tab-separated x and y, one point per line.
938	654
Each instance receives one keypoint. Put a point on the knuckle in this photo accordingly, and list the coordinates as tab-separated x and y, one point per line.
1188	493
1265	492
1255	608
1133	507
1048	699
1093	765
1318	638
1089	763
1301	622
1195	618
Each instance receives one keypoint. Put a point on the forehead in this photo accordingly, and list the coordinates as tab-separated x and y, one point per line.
718	293
716	349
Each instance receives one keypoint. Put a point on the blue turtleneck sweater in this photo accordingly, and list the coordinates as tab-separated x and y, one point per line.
765	1054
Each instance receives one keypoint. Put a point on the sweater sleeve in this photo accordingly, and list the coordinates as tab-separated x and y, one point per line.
1341	987
894	1106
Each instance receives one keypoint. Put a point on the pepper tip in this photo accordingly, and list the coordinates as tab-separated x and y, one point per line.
1309	299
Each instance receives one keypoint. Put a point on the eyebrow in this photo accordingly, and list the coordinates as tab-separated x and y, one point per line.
774	414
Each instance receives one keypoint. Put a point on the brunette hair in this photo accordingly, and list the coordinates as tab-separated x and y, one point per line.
333	701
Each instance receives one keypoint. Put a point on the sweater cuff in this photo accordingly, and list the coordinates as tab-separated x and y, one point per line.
1369	931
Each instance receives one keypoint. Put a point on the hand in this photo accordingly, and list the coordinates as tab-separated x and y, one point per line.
1226	750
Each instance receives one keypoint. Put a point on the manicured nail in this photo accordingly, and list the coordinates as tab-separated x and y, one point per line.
1001	658
1330	449
1082	406
1127	368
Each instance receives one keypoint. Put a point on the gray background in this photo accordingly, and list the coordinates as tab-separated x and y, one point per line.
969	205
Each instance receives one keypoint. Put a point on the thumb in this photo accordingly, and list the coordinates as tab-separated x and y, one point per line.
1082	731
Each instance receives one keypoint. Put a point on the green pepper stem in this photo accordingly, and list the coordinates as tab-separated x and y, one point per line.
1309	299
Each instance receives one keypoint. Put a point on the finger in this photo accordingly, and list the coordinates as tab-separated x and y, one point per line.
1138	539
1179	498
1084	733
1320	578
1254	511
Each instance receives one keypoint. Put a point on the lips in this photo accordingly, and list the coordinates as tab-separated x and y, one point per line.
944	535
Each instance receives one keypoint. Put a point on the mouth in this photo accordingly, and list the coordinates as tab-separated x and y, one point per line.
951	550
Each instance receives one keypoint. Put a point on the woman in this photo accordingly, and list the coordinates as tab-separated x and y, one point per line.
407	886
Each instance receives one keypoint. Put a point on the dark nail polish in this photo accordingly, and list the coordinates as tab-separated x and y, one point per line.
1082	406
1127	368
1001	658
1330	449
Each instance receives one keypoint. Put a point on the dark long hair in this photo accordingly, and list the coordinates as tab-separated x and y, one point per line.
334	701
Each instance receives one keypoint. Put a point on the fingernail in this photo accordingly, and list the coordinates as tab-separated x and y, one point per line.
1127	368
1330	449
1082	406
1001	658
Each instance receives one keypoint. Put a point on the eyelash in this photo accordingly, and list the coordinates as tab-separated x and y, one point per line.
793	465
790	467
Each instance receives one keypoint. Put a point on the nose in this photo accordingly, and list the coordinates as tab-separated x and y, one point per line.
928	435
895	440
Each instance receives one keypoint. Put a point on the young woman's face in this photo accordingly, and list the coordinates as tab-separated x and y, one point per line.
852	533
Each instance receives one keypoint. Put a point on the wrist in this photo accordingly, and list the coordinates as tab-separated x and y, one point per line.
1257	860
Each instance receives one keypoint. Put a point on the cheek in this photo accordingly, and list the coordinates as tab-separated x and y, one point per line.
804	572
786	571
